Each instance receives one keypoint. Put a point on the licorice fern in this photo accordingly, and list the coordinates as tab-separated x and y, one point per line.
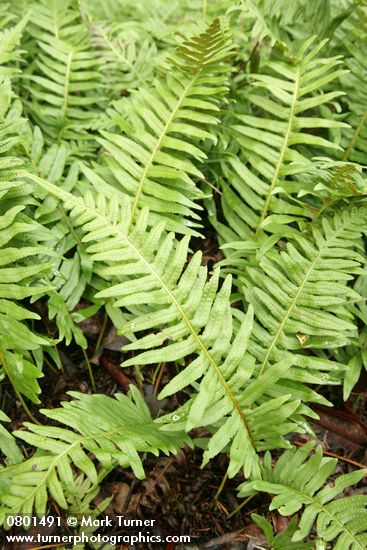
355	138
21	273
123	132
298	302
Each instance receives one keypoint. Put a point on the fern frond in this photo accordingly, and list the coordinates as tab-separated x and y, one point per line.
19	269
153	285
21	272
112	430
8	444
128	55
269	18
268	172
332	182
355	138
299	302
11	159
9	41
153	162
65	78
282	540
298	480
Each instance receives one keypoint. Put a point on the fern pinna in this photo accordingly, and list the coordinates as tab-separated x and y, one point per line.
121	141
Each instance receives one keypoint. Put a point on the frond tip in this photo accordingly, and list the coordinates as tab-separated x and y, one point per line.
157	158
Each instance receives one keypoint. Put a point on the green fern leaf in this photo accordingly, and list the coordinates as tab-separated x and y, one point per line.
153	162
355	138
9	40
8	445
65	77
156	289
284	96
114	431
128	62
299	303
297	481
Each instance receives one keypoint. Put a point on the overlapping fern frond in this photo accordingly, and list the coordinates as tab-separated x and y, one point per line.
112	431
9	42
128	55
298	480
153	161
21	272
149	280
20	268
72	269
114	232
11	160
64	80
269	18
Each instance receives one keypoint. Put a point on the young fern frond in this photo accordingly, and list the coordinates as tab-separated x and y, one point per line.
298	480
96	428
273	145
153	162
283	539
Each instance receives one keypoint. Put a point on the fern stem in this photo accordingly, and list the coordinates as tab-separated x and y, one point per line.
102	333
204	7
55	19
355	136
70	226
50	365
25	407
89	367
66	93
157	377
220	488
240	506
138	376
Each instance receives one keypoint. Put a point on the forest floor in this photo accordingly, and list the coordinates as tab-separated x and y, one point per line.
183	498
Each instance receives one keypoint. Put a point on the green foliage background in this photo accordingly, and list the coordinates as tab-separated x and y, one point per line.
127	129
